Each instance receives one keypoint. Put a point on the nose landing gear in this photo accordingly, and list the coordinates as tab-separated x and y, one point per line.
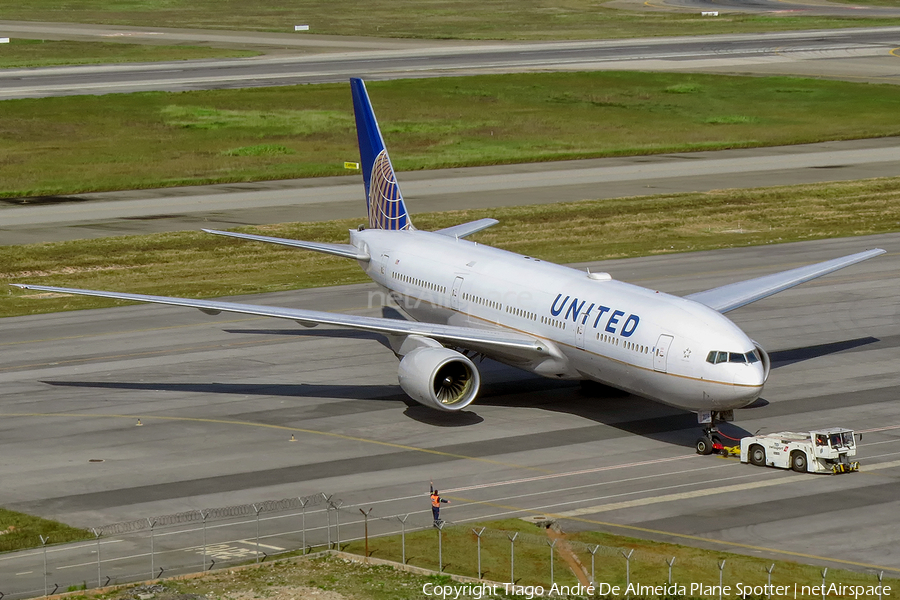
710	441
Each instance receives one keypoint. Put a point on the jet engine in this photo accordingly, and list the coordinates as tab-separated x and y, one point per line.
439	378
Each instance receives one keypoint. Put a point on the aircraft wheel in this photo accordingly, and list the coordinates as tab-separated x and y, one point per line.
757	456
798	462
704	445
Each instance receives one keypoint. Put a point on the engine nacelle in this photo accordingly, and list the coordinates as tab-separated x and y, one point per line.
439	378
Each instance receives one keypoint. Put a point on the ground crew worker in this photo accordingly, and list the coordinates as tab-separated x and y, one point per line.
436	504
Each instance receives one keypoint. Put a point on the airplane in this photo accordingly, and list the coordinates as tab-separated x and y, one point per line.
466	300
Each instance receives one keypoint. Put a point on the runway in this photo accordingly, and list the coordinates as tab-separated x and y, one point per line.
863	53
228	205
219	398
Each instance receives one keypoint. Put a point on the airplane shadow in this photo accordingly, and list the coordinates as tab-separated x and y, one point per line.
783	358
502	386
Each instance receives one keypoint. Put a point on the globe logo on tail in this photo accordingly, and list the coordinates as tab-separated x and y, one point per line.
386	207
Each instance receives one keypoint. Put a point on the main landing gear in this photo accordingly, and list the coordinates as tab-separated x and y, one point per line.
710	441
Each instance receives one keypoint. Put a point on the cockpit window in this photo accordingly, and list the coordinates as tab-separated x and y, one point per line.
715	357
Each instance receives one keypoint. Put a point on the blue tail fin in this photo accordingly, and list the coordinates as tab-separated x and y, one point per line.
383	198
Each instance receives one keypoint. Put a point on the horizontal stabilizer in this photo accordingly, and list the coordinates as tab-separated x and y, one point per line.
735	295
345	250
466	229
459	336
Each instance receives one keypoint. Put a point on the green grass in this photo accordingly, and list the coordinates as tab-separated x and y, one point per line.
58	146
194	264
464	19
648	563
19	531
20	53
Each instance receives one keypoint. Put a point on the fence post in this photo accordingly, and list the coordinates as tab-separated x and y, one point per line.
204	515
512	557
403	537
303	503
628	571
478	542
552	545
337	522
769	580
366	516
44	541
721	570
97	534
593	552
880	587
824	573
670	563
328	517
440	528
258	509
152	524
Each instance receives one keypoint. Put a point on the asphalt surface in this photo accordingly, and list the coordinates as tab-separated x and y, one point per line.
870	51
219	398
229	205
772	7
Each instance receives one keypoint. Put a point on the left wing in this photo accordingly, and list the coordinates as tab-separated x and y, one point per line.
519	343
735	295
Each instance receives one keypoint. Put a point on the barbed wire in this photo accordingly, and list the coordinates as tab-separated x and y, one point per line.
212	514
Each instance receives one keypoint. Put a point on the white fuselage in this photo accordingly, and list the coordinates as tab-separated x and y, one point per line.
643	341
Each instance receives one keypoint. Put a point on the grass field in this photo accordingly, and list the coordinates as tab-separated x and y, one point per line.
461	19
18	531
58	146
45	53
648	563
195	264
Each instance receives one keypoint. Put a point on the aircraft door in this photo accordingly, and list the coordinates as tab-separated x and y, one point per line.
385	264
662	352
579	336
454	293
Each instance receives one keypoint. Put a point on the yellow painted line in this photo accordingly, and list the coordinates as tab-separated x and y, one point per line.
340	436
697	538
894	52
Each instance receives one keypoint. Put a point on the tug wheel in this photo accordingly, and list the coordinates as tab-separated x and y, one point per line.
704	445
798	462
757	456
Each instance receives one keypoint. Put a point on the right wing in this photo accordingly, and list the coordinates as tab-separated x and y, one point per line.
735	295
520	344
345	250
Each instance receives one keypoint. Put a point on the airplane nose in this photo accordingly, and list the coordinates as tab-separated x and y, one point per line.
750	375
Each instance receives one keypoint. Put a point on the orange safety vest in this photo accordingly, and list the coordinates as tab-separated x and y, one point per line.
435	500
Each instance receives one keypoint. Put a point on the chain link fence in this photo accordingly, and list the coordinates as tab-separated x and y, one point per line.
522	553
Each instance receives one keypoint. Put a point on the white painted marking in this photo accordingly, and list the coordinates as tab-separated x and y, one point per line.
704	492
25	573
253	543
571	473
